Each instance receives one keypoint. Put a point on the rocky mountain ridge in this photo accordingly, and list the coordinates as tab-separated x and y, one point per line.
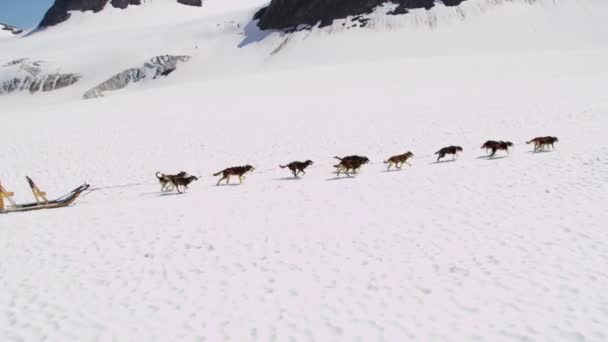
59	12
10	29
290	14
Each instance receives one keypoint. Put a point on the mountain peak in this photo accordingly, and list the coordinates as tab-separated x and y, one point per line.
289	14
59	12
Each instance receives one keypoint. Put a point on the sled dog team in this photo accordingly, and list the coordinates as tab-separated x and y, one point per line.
345	164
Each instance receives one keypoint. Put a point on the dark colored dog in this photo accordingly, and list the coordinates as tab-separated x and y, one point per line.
448	150
399	160
496	145
184	182
350	163
535	141
488	144
297	167
540	143
166	180
234	171
548	141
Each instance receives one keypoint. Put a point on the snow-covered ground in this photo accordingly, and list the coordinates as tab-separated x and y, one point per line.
510	248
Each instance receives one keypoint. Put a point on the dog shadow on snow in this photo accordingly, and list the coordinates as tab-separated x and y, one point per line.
393	170
160	194
164	194
287	179
442	161
337	178
224	185
536	152
491	158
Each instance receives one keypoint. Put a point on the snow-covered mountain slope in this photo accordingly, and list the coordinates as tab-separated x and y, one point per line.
223	39
502	249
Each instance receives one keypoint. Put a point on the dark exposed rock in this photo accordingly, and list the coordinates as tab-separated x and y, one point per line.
15	62
53	82
167	72
47	83
10	29
289	14
59	12
156	67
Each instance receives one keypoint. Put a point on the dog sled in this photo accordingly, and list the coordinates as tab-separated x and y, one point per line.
41	200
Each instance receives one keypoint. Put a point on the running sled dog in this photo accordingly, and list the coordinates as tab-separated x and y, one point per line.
353	163
453	150
543	143
238	171
399	160
297	167
173	182
496	146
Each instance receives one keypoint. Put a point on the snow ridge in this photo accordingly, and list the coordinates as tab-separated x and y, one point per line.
10	29
157	66
33	76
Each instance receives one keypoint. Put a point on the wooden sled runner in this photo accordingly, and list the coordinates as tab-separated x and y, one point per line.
41	201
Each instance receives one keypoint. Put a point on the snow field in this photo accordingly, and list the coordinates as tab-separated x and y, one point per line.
505	249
